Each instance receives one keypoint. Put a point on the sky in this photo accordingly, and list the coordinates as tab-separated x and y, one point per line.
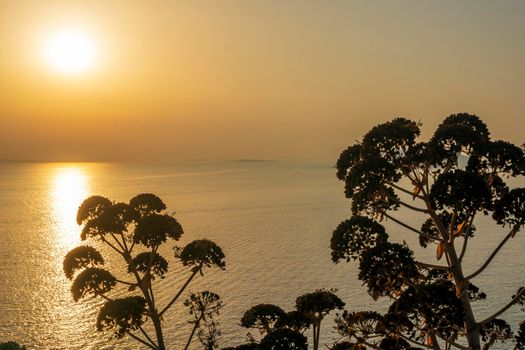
220	80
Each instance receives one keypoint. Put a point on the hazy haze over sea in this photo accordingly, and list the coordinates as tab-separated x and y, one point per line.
273	220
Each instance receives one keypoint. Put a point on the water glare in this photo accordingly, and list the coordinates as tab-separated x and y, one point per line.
70	188
274	221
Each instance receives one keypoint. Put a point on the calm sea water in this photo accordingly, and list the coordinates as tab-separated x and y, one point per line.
273	220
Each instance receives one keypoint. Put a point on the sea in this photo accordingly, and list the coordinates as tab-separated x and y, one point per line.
273	221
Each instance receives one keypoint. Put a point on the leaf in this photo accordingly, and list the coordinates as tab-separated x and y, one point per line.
132	288
490	180
440	250
416	191
459	229
428	340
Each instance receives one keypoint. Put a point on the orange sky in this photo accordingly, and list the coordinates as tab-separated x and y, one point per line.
207	80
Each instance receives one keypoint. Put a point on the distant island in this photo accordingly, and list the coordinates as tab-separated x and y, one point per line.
255	161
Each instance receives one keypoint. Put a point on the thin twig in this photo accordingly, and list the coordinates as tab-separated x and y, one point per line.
147	336
404	190
502	243
503	309
126	283
420	210
412	340
409	227
118	242
180	291
431	266
464	247
105	297
111	245
453	343
124	242
141	340
467	236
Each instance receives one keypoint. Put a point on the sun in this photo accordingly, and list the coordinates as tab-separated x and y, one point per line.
70	52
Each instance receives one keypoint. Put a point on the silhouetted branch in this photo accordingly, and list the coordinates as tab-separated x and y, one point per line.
421	183
464	247
452	222
502	243
118	242
453	343
373	346
431	266
420	210
145	292
147	274
147	336
435	218
405	190
111	245
195	326
505	308
466	237
126	283
152	294
409	227
141	340
126	249
180	291
105	297
150	260
412	340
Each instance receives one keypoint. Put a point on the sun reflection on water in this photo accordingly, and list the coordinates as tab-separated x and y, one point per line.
70	188
69	185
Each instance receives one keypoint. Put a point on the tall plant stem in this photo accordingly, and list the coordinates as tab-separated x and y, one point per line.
471	326
155	316
195	326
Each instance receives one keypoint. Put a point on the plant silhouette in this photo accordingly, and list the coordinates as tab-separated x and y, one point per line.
456	176
315	306
284	330
135	231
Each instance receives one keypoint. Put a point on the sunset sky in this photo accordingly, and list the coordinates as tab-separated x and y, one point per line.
216	80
